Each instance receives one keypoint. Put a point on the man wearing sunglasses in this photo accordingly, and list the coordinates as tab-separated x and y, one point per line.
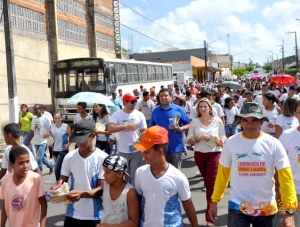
129	123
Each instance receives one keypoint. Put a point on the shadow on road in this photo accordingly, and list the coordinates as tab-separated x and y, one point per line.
55	221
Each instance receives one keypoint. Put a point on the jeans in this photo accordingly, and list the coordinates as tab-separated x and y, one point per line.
26	136
237	218
231	130
104	145
174	159
58	159
208	166
72	222
41	159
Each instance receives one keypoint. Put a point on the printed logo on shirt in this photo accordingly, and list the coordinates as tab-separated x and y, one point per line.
298	150
18	203
168	190
251	168
93	166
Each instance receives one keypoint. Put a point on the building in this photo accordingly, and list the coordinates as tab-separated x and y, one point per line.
45	31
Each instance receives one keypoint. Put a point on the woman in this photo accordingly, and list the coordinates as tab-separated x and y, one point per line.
290	141
100	115
257	89
287	119
208	134
230	111
60	133
25	119
270	111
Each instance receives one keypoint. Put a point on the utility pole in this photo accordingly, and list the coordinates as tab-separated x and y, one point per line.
296	52
10	64
205	60
282	56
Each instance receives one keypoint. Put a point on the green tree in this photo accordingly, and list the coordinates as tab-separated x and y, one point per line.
239	71
250	68
267	67
291	71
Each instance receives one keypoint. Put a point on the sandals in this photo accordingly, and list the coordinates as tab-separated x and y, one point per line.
210	224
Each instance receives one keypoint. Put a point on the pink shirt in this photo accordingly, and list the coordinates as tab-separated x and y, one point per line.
21	202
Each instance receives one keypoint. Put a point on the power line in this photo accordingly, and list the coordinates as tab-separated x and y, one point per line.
159	24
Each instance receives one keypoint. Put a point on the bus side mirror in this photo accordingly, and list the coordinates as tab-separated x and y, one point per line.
49	83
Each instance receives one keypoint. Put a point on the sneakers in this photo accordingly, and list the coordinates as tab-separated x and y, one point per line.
51	169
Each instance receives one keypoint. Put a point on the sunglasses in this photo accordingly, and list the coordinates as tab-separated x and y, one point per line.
133	101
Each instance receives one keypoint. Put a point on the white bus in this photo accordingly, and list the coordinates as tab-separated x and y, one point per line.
104	76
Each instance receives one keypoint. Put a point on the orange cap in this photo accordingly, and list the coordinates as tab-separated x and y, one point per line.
153	135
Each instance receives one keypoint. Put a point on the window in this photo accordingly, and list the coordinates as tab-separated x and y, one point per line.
104	20
159	73
143	73
124	74
105	41
151	73
70	31
165	73
133	76
170	75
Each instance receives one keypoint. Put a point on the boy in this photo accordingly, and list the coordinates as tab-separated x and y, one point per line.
160	184
117	193
24	201
84	166
81	113
12	133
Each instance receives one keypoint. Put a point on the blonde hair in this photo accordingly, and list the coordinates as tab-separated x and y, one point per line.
206	100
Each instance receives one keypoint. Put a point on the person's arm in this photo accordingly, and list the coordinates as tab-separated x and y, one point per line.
48	133
278	131
279	110
3	215
2	173
112	127
30	138
189	209
43	215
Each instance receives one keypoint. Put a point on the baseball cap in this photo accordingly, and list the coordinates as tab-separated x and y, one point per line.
153	135
252	109
128	97
82	130
116	163
292	87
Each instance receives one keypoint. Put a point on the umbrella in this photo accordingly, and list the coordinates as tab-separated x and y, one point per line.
232	85
282	80
256	77
90	98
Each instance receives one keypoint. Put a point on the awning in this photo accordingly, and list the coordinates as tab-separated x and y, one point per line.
209	68
292	65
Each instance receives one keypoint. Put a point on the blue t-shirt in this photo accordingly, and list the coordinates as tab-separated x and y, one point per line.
117	105
161	117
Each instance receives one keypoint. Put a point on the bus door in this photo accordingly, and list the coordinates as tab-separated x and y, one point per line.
110	78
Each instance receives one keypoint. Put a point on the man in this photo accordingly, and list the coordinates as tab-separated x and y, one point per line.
117	103
259	98
48	115
146	106
174	119
291	94
161	185
39	126
12	133
222	94
178	93
129	123
193	89
152	95
249	160
84	166
81	113
141	91
120	94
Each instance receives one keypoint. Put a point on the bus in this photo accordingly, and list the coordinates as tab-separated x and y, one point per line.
104	76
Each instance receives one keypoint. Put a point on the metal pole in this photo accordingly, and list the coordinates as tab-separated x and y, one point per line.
297	61
205	60
10	64
282	56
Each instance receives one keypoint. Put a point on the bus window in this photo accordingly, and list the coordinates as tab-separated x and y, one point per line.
124	74
151	73
158	73
143	77
72	81
119	74
170	76
165	73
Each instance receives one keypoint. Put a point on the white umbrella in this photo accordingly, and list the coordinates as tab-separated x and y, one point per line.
90	98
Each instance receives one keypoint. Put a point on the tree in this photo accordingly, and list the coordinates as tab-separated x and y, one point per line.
250	68
239	71
267	67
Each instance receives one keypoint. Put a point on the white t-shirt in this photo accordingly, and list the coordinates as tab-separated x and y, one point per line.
77	118
225	96
259	99
276	92
286	122
5	160
219	109
48	115
60	136
84	173
127	138
160	196
230	114
284	97
146	108
39	126
216	128
241	102
290	141
272	116
252	165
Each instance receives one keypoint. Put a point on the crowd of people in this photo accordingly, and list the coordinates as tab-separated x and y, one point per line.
130	176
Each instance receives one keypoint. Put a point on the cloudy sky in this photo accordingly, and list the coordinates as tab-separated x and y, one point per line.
255	26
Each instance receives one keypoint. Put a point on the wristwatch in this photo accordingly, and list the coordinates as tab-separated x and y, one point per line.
290	212
180	129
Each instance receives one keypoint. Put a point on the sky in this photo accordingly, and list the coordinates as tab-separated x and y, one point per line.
255	27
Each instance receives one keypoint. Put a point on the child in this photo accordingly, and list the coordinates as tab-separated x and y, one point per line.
160	184
24	201
120	200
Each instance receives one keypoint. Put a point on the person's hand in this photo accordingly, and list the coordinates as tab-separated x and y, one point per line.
46	135
111	142
212	212
57	185
176	128
66	147
131	127
74	196
271	124
205	138
288	221
219	142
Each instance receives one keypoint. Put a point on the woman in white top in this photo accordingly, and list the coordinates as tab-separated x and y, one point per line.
290	141
208	134
102	118
230	111
60	133
286	120
271	111
257	89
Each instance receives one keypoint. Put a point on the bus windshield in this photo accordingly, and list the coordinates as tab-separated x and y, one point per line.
70	82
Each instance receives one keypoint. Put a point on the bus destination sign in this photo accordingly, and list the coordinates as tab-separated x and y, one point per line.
85	63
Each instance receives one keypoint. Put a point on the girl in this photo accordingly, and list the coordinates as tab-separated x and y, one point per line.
230	111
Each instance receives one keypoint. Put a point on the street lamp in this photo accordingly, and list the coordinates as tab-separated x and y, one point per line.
296	52
205	57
